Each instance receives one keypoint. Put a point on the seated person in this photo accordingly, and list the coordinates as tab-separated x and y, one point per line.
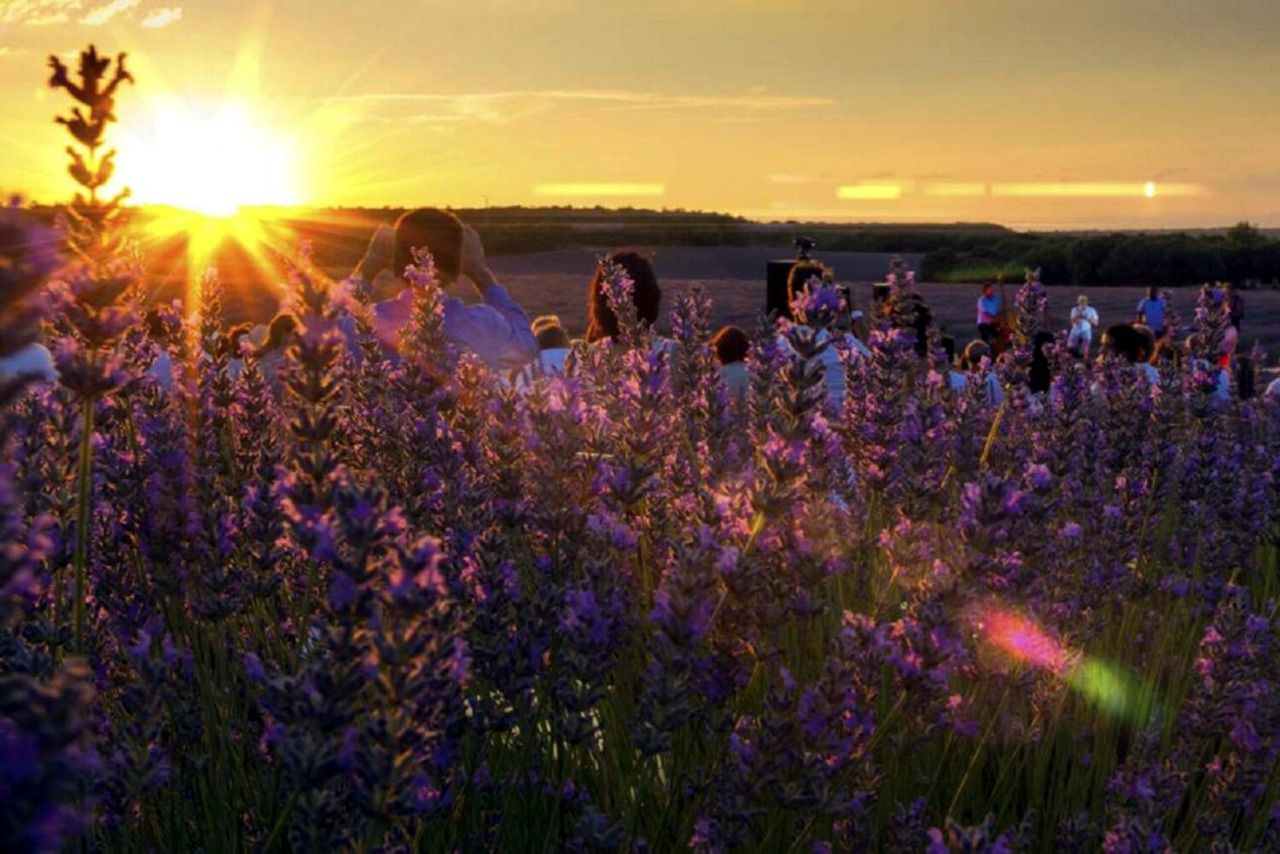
956	380
977	361
646	296
270	352
838	337
496	330
731	345
553	350
1135	345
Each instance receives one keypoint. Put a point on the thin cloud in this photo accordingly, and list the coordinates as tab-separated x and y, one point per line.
38	13
504	106
161	18
104	13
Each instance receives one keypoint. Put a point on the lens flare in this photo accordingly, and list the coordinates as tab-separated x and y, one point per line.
1024	641
1105	686
869	192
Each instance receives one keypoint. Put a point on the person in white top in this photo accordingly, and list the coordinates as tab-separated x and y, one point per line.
553	351
1084	318
839	338
731	345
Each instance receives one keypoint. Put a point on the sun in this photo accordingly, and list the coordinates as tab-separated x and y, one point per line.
212	158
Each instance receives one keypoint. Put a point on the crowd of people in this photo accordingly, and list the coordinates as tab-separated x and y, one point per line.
498	331
1144	340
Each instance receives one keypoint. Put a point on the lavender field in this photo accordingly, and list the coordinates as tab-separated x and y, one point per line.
336	598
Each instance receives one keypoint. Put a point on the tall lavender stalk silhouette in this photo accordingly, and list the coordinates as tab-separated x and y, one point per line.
97	292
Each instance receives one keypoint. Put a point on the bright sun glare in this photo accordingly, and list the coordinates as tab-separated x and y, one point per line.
211	160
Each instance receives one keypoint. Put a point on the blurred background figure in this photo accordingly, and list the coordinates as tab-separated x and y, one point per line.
1040	377
977	363
1151	311
1133	345
731	345
497	329
553	350
1084	318
1235	304
33	362
956	380
989	305
646	295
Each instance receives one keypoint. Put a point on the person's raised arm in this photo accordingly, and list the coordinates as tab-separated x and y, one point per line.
497	331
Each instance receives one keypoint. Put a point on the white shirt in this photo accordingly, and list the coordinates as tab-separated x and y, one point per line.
736	376
549	363
833	367
1083	319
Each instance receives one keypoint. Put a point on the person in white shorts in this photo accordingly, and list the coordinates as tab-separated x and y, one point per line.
1084	318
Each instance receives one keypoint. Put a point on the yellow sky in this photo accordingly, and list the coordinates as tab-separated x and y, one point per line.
1031	113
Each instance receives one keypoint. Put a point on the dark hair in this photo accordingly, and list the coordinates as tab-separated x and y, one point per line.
1128	342
948	344
438	231
552	337
161	326
1153	292
230	341
281	328
974	352
800	275
646	295
731	345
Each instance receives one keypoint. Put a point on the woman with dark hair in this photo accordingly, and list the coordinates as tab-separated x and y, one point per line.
645	295
731	346
496	330
977	361
1132	344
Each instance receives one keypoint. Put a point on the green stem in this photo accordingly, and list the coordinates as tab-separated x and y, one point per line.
84	478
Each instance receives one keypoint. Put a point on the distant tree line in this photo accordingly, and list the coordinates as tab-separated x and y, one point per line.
1243	254
959	252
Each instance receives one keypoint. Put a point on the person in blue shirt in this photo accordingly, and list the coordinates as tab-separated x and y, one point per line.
497	329
1151	311
988	313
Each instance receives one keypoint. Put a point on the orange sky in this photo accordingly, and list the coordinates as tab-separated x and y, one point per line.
1039	114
